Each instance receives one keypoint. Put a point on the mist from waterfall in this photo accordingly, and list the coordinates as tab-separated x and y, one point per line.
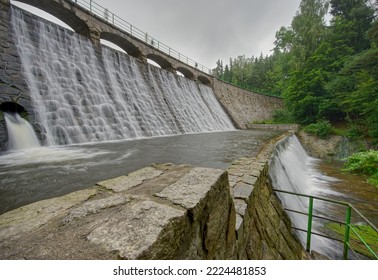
79	95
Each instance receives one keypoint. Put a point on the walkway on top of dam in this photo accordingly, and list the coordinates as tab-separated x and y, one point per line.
95	22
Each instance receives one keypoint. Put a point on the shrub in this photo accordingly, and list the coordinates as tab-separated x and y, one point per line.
321	129
282	116
354	132
364	163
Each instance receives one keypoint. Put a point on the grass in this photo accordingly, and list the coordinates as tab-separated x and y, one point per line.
367	233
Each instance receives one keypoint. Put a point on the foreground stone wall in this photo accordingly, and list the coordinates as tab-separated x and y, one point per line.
244	106
263	228
159	212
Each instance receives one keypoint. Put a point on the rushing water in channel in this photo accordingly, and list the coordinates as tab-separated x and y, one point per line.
291	169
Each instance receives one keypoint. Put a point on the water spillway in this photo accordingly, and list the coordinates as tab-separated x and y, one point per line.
20	132
81	94
292	169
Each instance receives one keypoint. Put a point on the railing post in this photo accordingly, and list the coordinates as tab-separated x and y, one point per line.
309	223
347	230
90	5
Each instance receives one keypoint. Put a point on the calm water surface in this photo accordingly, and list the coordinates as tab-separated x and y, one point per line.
31	175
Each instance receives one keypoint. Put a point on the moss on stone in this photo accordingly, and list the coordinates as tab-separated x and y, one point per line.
367	233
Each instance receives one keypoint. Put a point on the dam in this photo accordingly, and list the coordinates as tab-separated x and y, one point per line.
114	134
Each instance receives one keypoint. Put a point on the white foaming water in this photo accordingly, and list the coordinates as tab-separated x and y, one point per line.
24	147
79	96
20	132
291	169
48	155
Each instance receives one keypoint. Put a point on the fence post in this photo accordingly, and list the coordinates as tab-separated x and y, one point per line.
309	223
347	231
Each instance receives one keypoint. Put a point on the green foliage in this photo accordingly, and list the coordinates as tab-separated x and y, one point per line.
374	179
368	234
353	132
282	116
322	129
364	163
322	70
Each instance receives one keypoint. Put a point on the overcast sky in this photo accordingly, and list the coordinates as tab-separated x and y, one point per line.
208	30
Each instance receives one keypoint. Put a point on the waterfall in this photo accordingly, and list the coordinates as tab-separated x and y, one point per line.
20	133
291	169
80	96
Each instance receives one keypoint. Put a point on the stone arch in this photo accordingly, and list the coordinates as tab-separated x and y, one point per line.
204	80
164	63
186	72
61	12
9	107
12	107
123	43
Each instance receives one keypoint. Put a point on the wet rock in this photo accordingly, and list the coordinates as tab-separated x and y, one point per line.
136	178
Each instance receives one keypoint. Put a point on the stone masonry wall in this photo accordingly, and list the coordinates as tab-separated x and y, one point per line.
262	226
244	106
13	87
159	212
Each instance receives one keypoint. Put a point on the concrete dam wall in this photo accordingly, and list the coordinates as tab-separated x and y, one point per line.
23	84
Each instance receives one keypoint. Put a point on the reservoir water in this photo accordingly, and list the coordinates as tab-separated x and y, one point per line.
39	173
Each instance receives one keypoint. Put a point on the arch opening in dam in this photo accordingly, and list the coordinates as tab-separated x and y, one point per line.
122	43
58	15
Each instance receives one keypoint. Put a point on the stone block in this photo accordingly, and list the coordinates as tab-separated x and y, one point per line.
32	216
135	230
251	180
192	187
134	179
95	206
242	190
240	206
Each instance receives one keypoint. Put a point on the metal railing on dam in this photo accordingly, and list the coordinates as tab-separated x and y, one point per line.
125	26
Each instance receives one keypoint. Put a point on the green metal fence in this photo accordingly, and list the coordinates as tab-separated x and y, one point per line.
347	223
120	23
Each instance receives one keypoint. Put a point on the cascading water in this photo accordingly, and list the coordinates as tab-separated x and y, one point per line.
80	96
291	169
20	132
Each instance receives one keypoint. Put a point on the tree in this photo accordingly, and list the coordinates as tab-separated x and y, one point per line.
352	19
218	70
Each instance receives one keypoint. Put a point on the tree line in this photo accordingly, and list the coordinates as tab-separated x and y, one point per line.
324	65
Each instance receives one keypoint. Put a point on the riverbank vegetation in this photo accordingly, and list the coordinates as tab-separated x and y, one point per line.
366	232
324	65
364	163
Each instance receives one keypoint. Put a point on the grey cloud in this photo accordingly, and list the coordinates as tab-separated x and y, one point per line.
207	30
